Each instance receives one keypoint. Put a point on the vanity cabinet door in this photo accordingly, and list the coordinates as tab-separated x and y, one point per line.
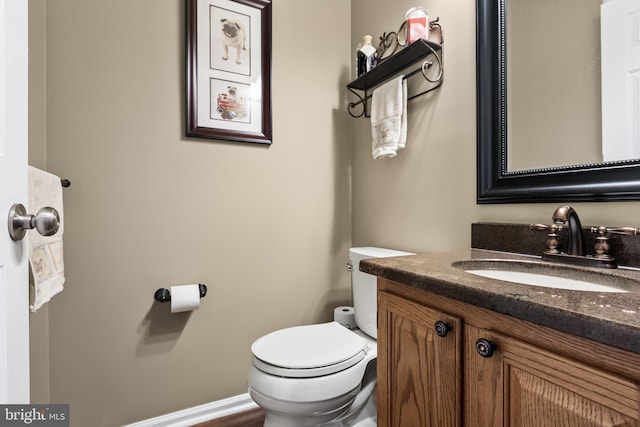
419	370
525	386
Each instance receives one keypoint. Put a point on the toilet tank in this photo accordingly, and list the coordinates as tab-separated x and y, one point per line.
364	287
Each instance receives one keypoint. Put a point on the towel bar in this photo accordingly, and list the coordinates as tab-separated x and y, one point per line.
65	183
425	66
164	295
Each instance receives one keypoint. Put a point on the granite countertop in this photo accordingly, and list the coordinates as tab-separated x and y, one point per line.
609	318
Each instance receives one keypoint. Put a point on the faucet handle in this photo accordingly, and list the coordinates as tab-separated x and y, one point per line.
552	242
628	231
601	248
540	227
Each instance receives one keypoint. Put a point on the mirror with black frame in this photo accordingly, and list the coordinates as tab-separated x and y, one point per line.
539	93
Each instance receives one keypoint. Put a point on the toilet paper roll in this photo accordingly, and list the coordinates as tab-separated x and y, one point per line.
346	316
185	298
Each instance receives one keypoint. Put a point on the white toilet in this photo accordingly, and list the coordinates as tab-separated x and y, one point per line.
322	374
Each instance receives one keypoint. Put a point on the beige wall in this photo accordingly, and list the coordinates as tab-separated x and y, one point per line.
266	228
425	198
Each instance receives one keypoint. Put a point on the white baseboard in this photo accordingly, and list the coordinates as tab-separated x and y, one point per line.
200	414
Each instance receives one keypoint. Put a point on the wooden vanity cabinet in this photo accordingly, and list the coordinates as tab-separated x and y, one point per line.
529	376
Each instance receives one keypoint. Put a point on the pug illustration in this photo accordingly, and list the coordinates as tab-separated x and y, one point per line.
231	105
233	35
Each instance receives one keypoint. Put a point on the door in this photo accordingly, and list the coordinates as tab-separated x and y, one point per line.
419	371
14	286
620	34
519	384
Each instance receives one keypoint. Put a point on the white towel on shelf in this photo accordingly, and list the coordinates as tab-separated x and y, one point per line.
389	118
45	253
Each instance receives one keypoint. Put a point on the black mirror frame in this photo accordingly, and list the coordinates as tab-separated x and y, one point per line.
612	181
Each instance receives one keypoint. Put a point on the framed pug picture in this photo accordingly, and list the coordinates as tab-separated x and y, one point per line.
229	70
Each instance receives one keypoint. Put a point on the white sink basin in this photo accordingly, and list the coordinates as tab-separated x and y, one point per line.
544	280
550	275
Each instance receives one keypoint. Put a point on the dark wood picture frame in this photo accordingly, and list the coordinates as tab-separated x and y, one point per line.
228	70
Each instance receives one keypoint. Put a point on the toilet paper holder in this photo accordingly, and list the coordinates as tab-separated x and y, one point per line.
164	295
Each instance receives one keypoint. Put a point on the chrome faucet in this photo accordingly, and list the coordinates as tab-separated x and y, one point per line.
565	214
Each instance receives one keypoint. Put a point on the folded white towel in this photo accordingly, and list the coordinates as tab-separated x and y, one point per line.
389	118
45	253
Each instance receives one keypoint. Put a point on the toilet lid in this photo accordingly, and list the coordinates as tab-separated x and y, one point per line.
313	349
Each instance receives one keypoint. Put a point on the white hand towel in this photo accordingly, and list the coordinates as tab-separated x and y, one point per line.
389	118
45	253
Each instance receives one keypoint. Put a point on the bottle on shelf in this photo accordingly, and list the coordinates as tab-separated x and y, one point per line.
365	60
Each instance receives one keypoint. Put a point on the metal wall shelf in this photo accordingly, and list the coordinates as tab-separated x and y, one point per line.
392	66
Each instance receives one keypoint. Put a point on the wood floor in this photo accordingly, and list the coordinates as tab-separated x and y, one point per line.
250	418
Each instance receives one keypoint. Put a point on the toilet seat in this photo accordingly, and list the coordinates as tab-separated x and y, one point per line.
308	351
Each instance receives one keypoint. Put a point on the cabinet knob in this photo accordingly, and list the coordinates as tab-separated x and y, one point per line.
485	348
442	328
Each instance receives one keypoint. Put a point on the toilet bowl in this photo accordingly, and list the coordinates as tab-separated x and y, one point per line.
322	374
325	365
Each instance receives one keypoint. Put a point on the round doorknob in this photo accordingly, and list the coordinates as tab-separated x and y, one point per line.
46	221
485	348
